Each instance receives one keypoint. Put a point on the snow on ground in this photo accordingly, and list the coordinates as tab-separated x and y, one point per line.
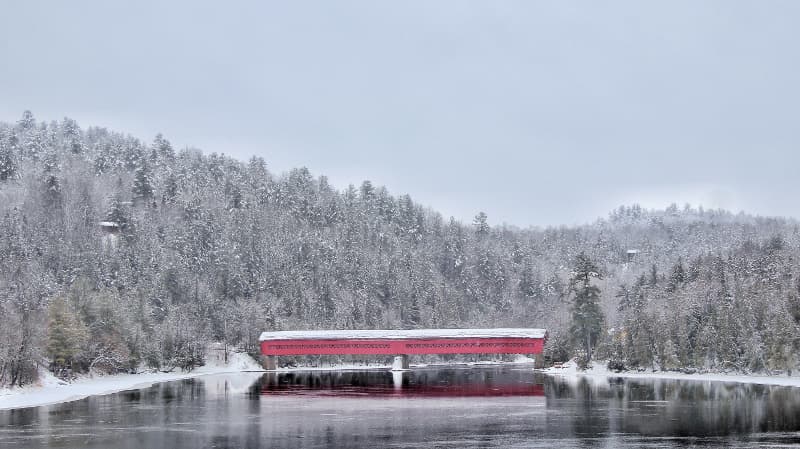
599	370
403	334
50	390
523	359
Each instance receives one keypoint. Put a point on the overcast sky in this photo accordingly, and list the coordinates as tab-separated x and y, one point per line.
539	113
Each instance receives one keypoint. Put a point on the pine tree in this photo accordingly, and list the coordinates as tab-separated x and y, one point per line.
529	282
116	212
677	277
653	275
481	225
587	318
8	165
161	151
52	190
76	147
67	335
237	199
142	183
366	192
52	185
27	121
170	189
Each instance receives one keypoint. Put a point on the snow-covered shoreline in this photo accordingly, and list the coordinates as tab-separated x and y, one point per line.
599	370
50	390
53	391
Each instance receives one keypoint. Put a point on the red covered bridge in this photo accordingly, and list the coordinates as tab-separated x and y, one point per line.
401	343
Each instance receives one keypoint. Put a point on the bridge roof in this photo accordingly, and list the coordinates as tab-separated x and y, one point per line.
379	334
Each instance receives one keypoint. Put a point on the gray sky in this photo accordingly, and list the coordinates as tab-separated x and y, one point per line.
538	113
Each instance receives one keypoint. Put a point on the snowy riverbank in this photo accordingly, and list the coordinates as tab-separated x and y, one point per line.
599	370
50	390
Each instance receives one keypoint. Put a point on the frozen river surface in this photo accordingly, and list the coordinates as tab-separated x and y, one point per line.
501	407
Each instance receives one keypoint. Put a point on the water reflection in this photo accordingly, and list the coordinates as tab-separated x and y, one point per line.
676	408
465	407
421	384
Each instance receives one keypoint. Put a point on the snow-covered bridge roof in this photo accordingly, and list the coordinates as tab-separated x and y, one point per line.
403	334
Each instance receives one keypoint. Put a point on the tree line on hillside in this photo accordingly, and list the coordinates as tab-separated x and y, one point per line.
118	254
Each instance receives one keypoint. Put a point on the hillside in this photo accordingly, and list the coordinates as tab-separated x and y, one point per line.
116	253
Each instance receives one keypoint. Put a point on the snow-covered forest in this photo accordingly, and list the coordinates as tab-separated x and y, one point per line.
118	253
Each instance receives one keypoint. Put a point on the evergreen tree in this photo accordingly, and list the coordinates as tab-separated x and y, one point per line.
66	334
8	164
677	277
529	282
116	212
170	189
142	184
237	199
76	147
367	191
27	121
52	185
161	150
587	318
481	224
653	275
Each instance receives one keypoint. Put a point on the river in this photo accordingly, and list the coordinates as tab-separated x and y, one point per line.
453	407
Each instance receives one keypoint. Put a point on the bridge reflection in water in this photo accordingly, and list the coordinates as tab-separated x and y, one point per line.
407	384
428	408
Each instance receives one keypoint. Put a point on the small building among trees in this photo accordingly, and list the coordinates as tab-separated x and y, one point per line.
111	230
631	254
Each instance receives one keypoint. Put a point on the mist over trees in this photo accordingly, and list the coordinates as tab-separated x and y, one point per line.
118	254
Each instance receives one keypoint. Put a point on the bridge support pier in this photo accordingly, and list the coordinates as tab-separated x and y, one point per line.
400	363
269	362
538	361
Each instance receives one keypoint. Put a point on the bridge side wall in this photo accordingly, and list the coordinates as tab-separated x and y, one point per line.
404	346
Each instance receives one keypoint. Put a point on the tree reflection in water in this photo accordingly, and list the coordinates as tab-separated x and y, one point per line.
441	407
